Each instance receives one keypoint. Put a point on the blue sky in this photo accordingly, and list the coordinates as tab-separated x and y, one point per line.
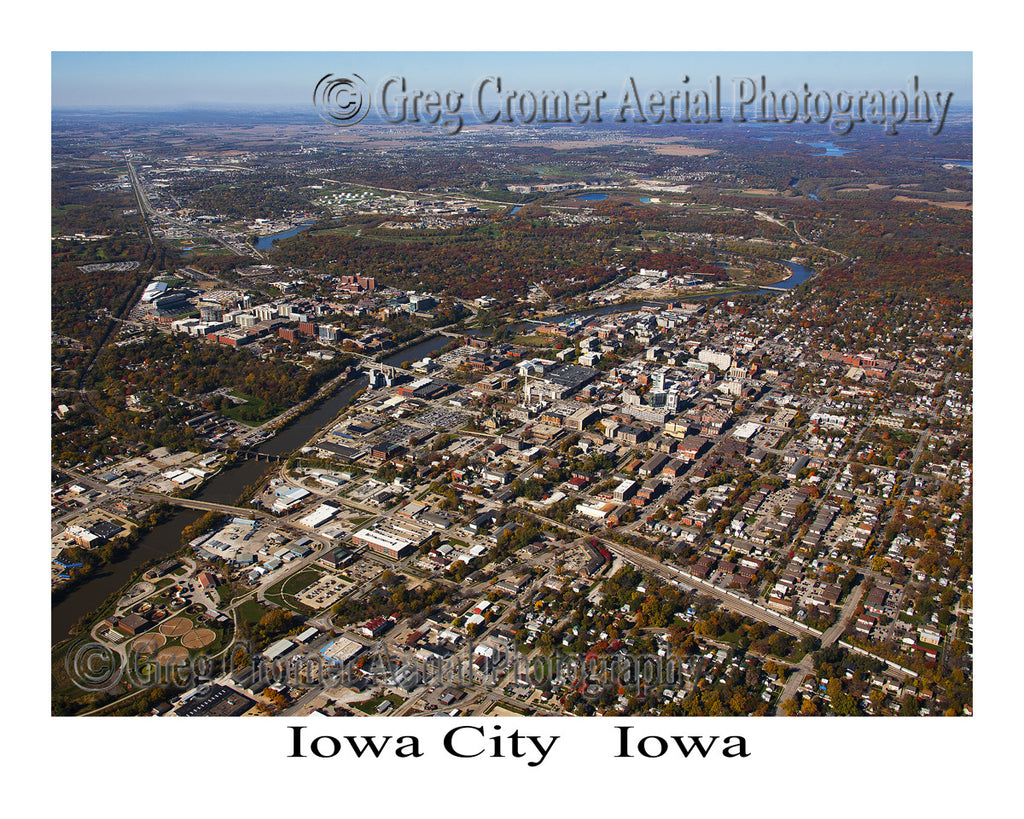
176	79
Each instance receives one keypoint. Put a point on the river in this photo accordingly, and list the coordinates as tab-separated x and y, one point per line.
418	351
225	487
799	275
831	149
792	184
267	242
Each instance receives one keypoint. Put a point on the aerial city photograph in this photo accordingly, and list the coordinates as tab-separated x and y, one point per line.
511	384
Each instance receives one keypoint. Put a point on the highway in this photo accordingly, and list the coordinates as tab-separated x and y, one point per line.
144	209
147	210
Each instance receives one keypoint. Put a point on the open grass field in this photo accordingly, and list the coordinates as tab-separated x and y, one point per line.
283	593
255	403
950	205
676	149
250	611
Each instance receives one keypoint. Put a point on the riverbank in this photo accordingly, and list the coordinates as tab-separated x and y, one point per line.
301	428
124	548
798	275
164	539
416	350
266	243
279	423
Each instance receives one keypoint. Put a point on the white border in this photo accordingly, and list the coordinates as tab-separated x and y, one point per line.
838	767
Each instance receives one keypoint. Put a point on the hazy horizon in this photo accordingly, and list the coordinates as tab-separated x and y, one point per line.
277	80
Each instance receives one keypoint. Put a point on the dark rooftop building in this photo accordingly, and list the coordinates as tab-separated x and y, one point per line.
571	376
335	558
384	451
132	624
347	452
218	701
106	529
